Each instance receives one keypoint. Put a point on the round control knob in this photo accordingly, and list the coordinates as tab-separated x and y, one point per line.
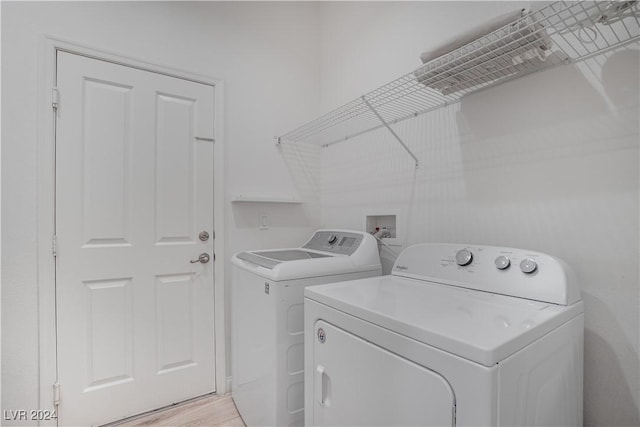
528	266
332	239
464	257
502	262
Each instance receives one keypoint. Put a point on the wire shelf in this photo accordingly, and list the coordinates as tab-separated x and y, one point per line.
558	33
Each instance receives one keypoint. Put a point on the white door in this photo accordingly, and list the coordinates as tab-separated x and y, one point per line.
134	189
357	383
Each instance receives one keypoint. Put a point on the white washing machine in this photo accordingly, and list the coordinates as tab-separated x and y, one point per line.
456	335
267	351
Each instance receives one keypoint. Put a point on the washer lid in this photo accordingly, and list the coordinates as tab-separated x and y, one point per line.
327	253
305	267
475	325
270	259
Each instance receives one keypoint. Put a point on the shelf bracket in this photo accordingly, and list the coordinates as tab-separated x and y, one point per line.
395	135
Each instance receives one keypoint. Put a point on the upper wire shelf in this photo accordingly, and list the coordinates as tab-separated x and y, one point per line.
559	33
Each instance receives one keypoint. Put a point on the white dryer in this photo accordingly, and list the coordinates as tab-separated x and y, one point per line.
456	335
267	329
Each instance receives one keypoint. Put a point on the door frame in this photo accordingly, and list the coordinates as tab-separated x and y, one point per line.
48	47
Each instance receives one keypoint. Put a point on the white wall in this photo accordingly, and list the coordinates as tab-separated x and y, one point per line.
264	53
548	162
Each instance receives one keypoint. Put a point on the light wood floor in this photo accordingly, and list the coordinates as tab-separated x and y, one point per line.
212	410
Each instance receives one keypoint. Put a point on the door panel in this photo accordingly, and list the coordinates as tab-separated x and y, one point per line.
134	187
110	332
175	166
175	322
107	136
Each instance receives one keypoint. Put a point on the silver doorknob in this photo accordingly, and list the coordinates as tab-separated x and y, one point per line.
203	258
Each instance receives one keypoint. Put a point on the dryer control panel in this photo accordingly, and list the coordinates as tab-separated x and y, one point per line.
335	241
508	271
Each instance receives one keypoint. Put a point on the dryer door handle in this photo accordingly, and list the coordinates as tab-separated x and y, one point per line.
323	387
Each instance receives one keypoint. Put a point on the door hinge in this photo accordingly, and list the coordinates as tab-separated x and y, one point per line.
56	393
55	98
454	415
54	245
213	234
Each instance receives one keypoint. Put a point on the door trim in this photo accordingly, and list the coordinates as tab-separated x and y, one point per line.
48	46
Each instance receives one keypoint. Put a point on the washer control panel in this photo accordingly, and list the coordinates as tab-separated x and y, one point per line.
507	271
335	241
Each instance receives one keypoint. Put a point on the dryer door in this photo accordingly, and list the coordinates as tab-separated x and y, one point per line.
353	377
